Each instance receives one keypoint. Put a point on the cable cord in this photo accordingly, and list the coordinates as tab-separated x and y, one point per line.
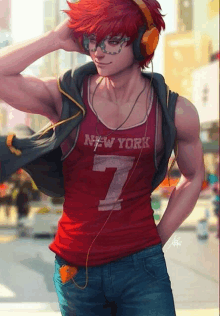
87	277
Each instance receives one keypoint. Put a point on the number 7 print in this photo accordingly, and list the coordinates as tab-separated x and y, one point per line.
125	163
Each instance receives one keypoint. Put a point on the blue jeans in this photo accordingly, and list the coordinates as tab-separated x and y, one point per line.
136	285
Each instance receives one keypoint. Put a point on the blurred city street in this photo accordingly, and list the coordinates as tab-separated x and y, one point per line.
27	265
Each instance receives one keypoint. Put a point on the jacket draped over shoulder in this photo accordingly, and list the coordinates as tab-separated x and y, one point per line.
41	156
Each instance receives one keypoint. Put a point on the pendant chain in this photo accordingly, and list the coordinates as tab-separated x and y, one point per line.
87	258
100	136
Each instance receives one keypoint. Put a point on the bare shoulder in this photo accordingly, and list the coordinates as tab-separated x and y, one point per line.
186	120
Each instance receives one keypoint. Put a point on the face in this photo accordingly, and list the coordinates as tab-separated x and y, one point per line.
112	56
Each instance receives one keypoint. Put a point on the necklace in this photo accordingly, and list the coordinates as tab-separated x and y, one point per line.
97	141
87	257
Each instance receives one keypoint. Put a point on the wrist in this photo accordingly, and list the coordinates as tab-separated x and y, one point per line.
53	41
163	234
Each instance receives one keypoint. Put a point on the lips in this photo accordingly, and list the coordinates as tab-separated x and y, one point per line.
101	64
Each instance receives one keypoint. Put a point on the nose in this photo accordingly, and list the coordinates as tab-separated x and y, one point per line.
99	53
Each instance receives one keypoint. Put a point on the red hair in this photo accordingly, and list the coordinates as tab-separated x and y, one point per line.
112	17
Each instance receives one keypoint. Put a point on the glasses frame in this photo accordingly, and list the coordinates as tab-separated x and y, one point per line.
86	40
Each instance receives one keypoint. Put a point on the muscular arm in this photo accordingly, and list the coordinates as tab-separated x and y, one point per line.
26	93
31	94
191	164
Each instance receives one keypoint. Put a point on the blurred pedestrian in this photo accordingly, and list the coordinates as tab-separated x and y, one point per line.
7	200
216	202
22	203
207	214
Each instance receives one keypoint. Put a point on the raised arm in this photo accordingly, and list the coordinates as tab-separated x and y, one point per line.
28	93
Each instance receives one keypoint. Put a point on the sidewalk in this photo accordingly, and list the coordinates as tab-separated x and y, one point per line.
193	268
191	222
193	271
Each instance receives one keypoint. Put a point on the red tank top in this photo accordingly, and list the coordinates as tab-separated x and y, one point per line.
95	180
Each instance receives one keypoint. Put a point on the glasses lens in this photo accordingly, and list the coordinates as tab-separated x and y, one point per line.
92	44
113	45
109	45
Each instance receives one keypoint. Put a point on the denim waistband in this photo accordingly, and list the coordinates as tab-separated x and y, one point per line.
146	252
149	251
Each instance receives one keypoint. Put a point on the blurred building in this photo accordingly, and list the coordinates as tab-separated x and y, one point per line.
59	61
192	67
9	116
5	40
52	64
3	118
5	23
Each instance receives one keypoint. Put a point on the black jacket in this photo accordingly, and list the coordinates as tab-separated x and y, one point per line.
41	156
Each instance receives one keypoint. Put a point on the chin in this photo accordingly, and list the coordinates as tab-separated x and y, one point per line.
108	72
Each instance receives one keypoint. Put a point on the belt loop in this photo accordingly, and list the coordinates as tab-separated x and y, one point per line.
136	261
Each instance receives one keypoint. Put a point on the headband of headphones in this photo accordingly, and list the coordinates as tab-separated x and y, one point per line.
148	35
142	6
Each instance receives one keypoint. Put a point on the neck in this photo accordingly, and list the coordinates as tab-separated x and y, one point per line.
123	87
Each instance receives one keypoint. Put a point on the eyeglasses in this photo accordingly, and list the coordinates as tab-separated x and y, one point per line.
110	45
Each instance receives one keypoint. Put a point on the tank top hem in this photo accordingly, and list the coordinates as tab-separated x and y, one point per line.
80	165
67	258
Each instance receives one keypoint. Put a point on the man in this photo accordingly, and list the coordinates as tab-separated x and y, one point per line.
107	222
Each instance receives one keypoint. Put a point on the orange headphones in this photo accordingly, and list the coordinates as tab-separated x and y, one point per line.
148	35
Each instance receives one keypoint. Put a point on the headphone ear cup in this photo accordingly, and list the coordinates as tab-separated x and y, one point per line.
150	40
137	43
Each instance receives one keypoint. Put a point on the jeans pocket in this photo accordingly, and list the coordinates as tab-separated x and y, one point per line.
56	277
155	266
